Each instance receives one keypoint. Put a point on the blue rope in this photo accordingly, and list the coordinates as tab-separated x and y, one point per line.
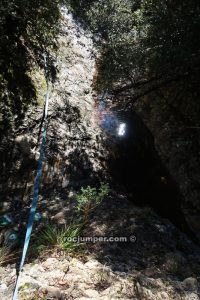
35	197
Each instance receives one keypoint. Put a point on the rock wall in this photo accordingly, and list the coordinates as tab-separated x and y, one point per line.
74	151
177	142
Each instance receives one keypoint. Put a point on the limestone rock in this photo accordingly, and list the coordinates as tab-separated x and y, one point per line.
91	294
190	284
53	292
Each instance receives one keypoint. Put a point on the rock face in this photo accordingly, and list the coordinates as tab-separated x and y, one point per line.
177	142
74	150
174	124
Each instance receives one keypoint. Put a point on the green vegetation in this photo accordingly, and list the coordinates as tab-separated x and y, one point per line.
28	30
65	238
89	198
62	239
149	47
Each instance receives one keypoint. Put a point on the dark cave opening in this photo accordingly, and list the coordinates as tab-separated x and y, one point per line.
136	168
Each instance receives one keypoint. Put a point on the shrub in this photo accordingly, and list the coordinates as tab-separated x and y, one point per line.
89	198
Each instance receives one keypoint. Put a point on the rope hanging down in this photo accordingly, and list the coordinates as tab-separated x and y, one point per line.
36	186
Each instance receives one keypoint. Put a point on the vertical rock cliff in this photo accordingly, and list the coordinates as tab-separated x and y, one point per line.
74	150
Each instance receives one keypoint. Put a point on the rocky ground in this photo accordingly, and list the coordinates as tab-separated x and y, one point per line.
155	262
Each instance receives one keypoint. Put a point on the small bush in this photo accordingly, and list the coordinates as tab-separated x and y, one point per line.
89	198
66	239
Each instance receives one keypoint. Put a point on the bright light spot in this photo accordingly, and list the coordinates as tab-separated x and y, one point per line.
121	129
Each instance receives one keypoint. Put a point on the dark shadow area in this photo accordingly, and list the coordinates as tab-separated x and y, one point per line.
28	31
137	169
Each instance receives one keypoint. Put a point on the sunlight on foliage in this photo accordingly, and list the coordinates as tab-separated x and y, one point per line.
89	198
